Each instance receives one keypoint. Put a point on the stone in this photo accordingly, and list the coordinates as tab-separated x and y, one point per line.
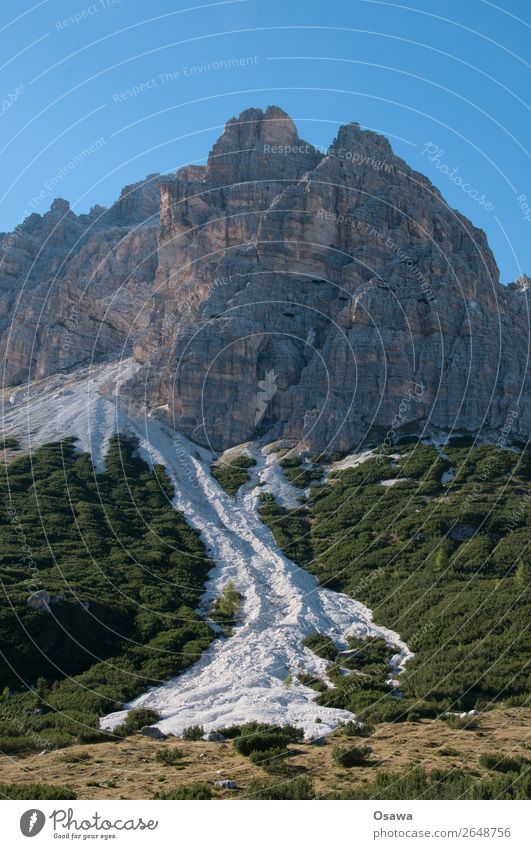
153	732
226	784
70	286
39	600
215	737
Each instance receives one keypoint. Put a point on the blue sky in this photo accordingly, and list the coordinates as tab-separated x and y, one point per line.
454	75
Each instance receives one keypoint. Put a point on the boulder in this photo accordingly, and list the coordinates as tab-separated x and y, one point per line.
153	732
39	600
215	737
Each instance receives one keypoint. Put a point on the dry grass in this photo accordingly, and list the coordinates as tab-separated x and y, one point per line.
128	769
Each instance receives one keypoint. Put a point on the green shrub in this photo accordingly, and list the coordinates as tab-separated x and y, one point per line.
36	791
230	731
259	742
447	752
193	733
405	554
298	474
321	645
272	760
135	720
501	763
233	474
289	733
348	756
115	527
195	790
169	757
439	784
315	683
371	651
9	443
225	609
357	729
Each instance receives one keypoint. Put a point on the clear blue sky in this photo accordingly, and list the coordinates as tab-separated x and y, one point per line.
453	74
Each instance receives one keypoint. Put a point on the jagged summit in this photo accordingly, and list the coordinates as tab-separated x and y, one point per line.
341	272
522	284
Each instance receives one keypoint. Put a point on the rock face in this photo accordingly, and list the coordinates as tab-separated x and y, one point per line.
315	296
72	286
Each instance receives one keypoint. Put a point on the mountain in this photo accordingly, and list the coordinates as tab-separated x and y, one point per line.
311	295
71	285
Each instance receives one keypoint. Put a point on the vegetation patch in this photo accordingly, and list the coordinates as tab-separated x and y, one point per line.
135	720
349	756
233	474
440	563
298	473
195	790
315	683
170	756
224	610
416	783
357	729
461	723
101	578
193	733
36	791
501	763
321	645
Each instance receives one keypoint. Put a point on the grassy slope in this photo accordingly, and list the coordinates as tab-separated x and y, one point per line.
130	572
130	768
461	604
231	474
354	535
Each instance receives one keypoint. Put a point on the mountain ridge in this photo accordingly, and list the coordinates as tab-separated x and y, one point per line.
342	273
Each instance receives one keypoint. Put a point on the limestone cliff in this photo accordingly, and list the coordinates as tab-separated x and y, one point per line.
315	295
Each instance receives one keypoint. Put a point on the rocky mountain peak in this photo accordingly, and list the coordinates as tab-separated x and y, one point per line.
522	284
60	206
343	280
260	145
352	139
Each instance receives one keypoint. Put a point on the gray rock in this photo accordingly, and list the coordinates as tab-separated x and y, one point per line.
153	732
226	784
215	737
351	284
39	600
88	274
